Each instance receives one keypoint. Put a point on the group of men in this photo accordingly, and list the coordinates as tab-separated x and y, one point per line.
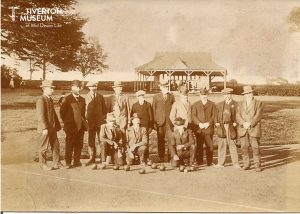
123	130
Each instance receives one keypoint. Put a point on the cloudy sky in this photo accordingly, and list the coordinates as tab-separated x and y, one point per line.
250	38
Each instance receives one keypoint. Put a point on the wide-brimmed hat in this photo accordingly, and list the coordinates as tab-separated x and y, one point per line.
110	117
76	83
203	91
117	84
227	91
92	84
179	121
135	117
247	89
47	83
164	82
140	93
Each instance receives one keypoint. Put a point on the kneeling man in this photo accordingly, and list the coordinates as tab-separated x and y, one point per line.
137	141
182	144
111	142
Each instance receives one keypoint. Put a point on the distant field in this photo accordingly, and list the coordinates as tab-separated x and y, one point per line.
280	124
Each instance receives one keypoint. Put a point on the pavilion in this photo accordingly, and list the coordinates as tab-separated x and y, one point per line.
186	66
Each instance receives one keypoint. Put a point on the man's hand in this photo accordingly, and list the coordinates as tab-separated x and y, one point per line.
115	145
176	158
206	125
217	124
201	125
179	147
45	131
234	124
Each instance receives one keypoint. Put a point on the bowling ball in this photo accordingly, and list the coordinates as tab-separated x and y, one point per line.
186	170
94	166
162	168
116	167
154	166
102	167
181	168
192	168
142	171
149	163
127	168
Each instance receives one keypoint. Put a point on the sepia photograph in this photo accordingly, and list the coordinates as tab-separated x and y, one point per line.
150	106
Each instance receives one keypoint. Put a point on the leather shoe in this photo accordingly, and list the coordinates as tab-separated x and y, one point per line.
68	166
45	167
58	166
246	167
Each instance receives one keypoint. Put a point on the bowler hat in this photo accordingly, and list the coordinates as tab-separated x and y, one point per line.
76	83
247	89
135	117
117	84
227	91
92	84
164	82
203	91
140	93
47	83
110	117
179	121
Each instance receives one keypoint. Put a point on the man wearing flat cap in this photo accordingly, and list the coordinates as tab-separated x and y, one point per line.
144	111
72	113
226	129
48	126
162	104
95	115
182	106
137	141
182	144
248	117
112	145
118	103
203	117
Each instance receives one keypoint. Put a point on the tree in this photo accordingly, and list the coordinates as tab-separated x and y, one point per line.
294	19
44	45
91	57
8	73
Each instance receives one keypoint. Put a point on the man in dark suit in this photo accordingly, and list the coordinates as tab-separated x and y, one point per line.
144	111
226	129
112	145
72	113
182	144
203	116
248	116
162	105
48	125
95	115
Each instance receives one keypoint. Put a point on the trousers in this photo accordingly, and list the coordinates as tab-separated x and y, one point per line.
200	140
222	147
188	154
74	144
92	142
141	152
246	142
44	142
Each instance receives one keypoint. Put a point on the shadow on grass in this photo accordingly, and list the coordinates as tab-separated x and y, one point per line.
18	105
275	156
272	106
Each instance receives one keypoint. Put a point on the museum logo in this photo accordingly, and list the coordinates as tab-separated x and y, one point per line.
38	14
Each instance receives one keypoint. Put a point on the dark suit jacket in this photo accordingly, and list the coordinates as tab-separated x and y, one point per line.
144	112
46	115
72	113
162	109
219	118
251	114
124	108
186	139
204	114
95	110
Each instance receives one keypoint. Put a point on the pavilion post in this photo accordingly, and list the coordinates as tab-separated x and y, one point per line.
225	79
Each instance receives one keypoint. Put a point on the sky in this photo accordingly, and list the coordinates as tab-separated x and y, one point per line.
249	38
